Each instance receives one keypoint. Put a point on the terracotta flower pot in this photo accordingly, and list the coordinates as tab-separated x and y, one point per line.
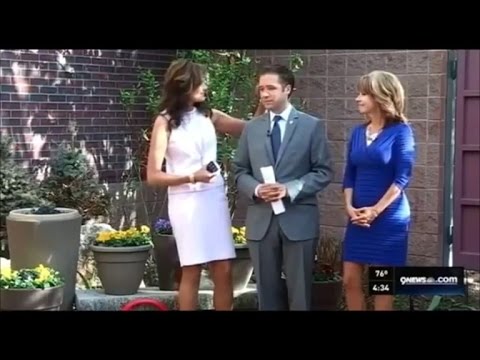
31	299
49	239
121	269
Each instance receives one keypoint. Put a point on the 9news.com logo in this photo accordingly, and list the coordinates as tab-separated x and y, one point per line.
429	281
423	280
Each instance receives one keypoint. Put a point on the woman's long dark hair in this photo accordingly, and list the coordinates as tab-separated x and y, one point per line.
181	79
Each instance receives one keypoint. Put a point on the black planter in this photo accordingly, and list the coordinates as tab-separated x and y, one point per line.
326	295
167	262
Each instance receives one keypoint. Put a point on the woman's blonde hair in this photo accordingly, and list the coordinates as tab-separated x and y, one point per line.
387	91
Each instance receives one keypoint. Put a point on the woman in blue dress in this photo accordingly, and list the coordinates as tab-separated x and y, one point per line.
379	164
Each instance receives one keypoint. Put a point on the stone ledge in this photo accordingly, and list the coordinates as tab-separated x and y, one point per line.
96	300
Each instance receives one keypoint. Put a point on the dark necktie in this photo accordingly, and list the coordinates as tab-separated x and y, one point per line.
275	136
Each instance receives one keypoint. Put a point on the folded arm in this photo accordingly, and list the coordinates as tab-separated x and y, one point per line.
321	173
349	175
403	151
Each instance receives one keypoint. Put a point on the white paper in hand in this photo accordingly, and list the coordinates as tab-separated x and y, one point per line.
269	178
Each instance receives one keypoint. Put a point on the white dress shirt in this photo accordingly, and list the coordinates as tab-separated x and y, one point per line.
281	123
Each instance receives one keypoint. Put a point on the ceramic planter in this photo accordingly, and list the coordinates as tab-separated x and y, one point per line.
326	295
167	262
121	269
242	268
49	239
32	299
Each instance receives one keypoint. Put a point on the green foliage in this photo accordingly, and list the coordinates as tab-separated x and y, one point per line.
436	300
45	210
41	277
147	93
149	88
18	188
72	183
68	163
231	80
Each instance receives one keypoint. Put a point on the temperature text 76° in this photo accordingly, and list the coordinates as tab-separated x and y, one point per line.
381	273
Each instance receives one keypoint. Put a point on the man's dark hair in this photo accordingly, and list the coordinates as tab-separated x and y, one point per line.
284	73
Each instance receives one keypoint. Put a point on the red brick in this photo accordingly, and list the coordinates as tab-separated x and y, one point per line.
84	97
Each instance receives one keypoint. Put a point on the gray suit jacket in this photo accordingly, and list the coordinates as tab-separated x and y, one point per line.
303	165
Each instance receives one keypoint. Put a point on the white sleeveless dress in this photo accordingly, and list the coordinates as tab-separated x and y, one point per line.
199	212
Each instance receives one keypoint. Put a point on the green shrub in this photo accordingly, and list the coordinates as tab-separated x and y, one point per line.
72	183
18	188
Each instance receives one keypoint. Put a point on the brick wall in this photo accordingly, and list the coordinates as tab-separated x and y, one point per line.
327	84
44	92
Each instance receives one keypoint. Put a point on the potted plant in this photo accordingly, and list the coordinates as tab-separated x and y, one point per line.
327	281
166	255
121	257
46	235
39	288
242	266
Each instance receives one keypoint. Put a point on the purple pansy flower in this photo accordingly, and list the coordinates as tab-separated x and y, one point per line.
162	226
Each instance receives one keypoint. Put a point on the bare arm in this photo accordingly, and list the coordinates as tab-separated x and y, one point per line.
227	124
158	147
347	195
391	194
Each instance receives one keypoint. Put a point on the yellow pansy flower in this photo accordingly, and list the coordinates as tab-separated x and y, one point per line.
104	236
6	272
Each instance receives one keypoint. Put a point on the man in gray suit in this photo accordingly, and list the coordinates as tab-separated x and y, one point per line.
294	144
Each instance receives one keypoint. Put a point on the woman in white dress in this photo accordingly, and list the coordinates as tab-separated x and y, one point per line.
184	135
